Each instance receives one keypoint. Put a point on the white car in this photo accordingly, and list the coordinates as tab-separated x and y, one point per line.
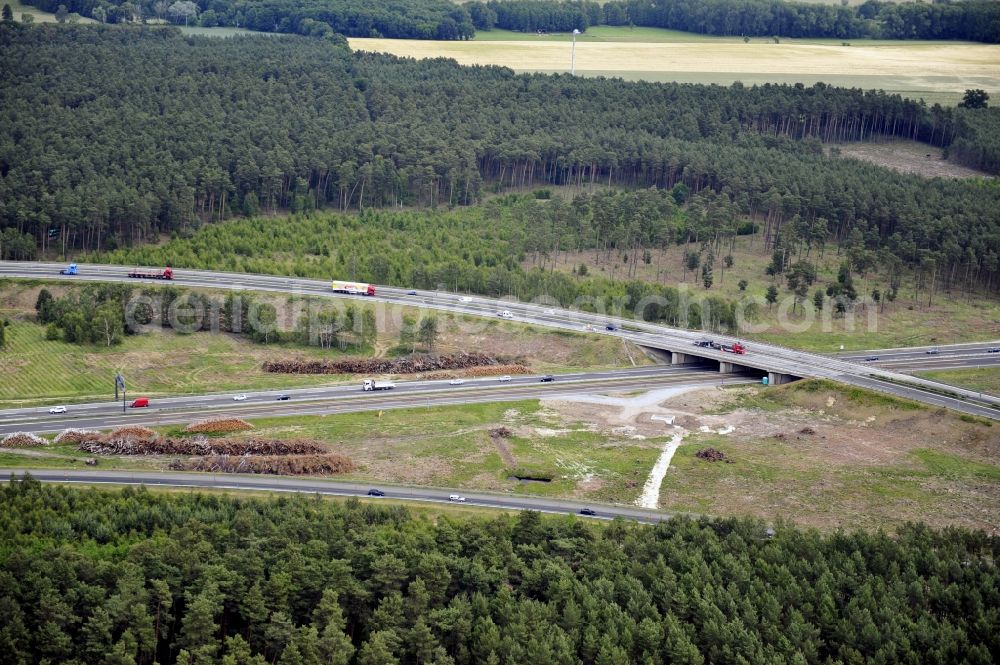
505	315
58	409
504	379
465	299
550	311
456	497
457	382
239	398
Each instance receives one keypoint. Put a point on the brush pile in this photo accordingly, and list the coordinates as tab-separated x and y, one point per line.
216	425
137	432
283	465
22	440
72	435
200	445
409	365
498	370
712	455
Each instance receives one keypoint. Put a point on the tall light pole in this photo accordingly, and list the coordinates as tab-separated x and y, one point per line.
572	59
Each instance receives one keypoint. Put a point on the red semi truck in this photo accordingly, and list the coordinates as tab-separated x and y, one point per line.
166	273
735	347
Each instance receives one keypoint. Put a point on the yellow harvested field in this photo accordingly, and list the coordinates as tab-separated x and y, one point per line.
943	68
929	60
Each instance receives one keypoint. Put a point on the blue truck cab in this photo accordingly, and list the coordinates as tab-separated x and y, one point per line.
71	270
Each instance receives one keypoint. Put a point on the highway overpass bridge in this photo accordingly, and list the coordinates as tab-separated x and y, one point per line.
780	364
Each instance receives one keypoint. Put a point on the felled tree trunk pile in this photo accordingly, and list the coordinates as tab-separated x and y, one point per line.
215	425
409	365
498	370
22	440
127	445
293	465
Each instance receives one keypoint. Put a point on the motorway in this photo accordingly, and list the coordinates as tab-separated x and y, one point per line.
332	488
765	357
950	356
350	398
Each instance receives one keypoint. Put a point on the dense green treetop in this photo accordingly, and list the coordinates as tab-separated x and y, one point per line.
134	576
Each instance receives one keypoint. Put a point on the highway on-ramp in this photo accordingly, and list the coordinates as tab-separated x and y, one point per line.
762	357
332	488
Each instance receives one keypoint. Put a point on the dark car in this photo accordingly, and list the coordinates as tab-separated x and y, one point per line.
282	398
374	492
411	293
611	327
590	512
548	378
995	349
871	359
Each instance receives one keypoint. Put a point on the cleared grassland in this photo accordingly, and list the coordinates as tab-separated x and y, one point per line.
984	379
40	16
162	362
936	71
950	317
833	457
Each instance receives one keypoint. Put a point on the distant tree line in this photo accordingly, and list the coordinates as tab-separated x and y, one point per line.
974	20
134	576
399	19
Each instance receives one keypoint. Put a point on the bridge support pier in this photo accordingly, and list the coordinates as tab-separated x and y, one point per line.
678	358
726	367
777	378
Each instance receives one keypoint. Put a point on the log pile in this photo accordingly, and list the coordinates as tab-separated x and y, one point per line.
285	465
498	370
137	432
200	446
73	435
409	365
22	440
215	425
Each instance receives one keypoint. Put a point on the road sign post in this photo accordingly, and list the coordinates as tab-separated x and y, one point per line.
120	383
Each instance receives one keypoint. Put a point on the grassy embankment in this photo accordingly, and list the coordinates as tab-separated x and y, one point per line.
983	379
35	370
